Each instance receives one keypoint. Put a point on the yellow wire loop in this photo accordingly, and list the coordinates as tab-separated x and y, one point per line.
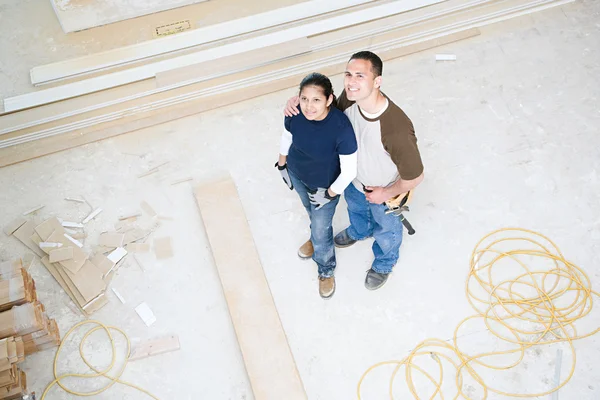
97	373
526	293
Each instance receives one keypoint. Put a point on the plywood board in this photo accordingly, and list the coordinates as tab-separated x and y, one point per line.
260	334
88	280
111	239
79	256
14	225
48	227
62	254
196	37
24	234
76	15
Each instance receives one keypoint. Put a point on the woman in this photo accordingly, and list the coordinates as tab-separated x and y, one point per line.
318	159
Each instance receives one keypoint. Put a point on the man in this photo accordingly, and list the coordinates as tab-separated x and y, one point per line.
389	163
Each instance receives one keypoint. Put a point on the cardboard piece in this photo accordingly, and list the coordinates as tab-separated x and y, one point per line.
163	248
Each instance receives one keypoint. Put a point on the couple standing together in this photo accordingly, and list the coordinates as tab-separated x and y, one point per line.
361	144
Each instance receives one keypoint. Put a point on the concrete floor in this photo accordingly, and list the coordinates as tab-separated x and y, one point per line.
508	135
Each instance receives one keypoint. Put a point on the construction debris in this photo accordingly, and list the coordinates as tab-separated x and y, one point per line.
92	215
146	314
163	248
33	210
154	347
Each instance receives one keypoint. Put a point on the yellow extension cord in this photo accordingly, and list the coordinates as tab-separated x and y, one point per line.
517	308
97	374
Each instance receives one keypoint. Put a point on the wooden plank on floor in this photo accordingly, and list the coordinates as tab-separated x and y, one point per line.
149	70
196	37
260	334
150	117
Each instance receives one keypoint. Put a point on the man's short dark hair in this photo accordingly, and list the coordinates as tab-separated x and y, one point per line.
376	63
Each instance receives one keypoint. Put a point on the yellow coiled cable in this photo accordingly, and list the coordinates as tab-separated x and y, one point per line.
97	373
547	286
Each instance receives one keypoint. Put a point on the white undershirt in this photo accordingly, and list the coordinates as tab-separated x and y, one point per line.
348	164
377	114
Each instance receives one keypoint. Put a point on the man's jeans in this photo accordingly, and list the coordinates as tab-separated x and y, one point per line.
368	219
321	231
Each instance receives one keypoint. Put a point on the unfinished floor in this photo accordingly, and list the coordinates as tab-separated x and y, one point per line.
509	137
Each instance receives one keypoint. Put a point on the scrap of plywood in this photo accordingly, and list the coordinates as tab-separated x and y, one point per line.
79	257
149	70
260	334
154	347
138	247
103	263
24	234
88	280
163	248
111	239
63	254
211	33
14	225
48	227
79	15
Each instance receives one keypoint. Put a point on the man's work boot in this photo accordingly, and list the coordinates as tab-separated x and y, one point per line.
306	250
326	286
375	280
343	240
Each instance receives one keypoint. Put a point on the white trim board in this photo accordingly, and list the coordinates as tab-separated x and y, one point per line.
271	75
8	123
67	68
150	70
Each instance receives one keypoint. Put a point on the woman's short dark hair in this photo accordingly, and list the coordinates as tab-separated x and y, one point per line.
321	81
376	63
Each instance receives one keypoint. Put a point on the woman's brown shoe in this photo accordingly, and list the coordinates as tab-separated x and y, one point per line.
306	250
326	286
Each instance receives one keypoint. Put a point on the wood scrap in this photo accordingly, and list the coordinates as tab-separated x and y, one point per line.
154	347
102	263
33	210
88	281
48	227
73	240
14	225
177	182
63	254
68	224
138	247
24	234
111	239
75	200
163	248
79	256
130	216
92	215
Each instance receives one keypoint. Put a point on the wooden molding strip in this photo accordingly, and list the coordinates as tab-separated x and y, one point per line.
150	70
12	122
211	33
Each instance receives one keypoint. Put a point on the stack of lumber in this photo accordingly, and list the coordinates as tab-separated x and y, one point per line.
125	89
12	380
24	327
